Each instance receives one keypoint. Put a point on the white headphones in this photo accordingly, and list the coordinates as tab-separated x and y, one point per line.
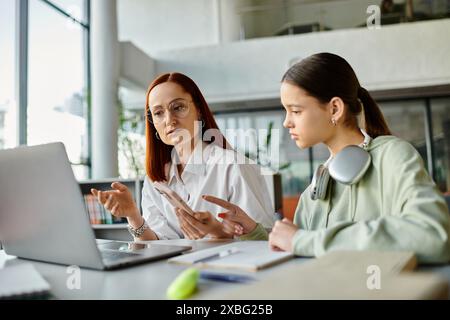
348	166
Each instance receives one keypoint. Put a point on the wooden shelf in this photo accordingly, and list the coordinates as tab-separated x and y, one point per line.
110	226
106	181
113	231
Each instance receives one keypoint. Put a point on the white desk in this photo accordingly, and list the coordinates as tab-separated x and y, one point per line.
145	281
149	280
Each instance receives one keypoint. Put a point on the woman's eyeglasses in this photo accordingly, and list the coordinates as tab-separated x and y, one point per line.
178	109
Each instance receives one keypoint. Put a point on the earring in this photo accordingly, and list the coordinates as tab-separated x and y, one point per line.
334	122
157	136
203	122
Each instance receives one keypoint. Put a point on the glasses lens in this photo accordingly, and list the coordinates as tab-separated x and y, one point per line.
158	115
179	109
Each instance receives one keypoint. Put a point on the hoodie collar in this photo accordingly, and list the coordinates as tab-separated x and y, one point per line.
378	141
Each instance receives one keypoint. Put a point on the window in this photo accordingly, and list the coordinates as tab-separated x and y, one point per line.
267	18
441	137
282	154
72	7
57	109
407	121
131	147
7	79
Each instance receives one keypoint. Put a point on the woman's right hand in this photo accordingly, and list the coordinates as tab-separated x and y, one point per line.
200	224
118	201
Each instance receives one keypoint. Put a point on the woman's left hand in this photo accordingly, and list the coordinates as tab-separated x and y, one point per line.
199	225
280	239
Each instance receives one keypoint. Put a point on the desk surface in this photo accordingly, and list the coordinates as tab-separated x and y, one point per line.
144	281
149	280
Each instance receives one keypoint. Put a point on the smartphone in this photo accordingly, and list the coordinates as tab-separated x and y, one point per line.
172	197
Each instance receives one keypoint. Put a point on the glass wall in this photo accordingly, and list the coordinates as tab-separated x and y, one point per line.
281	154
8	132
268	18
440	109
57	108
131	144
72	7
406	119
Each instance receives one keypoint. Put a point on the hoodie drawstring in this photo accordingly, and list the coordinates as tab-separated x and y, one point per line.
353	201
328	200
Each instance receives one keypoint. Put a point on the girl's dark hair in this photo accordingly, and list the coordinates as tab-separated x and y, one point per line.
158	154
326	75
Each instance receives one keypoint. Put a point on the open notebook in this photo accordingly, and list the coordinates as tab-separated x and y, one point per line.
22	281
246	255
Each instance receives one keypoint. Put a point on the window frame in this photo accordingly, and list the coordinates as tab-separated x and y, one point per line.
22	42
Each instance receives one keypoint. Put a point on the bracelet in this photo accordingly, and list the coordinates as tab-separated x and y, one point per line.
139	231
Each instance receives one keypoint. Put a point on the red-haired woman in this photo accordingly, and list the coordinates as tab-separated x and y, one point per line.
177	116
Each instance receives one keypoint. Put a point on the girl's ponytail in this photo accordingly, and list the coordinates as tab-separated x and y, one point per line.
373	118
327	75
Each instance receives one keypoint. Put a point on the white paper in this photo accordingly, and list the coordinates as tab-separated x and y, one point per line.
21	280
252	256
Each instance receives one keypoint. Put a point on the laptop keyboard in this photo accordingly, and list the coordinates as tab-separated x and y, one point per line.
112	256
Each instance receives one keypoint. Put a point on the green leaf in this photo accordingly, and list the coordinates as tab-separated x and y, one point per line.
269	135
285	166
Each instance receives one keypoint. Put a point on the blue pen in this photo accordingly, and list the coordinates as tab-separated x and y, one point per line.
224	277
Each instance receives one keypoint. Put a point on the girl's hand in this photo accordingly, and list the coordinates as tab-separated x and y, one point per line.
199	225
280	239
234	219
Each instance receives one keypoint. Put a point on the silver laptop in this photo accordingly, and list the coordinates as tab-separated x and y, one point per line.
43	216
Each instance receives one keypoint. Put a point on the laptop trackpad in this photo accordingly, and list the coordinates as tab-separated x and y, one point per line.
123	246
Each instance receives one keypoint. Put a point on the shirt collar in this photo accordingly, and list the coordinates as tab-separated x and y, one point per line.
196	163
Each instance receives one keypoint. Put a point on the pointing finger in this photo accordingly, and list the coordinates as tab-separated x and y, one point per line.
230	216
118	186
219	202
94	192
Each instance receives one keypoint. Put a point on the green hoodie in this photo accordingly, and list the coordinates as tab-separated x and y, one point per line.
395	206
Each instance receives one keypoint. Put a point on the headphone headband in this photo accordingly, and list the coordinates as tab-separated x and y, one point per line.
367	139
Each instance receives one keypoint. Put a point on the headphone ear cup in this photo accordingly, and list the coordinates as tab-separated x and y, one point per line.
319	183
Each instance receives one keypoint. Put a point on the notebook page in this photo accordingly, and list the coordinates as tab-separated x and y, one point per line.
22	281
251	256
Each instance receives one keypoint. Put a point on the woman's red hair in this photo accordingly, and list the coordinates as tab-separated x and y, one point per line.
158	154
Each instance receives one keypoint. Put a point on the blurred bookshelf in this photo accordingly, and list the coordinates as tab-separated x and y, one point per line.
105	225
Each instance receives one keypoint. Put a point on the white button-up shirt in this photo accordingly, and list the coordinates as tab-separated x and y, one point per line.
210	170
